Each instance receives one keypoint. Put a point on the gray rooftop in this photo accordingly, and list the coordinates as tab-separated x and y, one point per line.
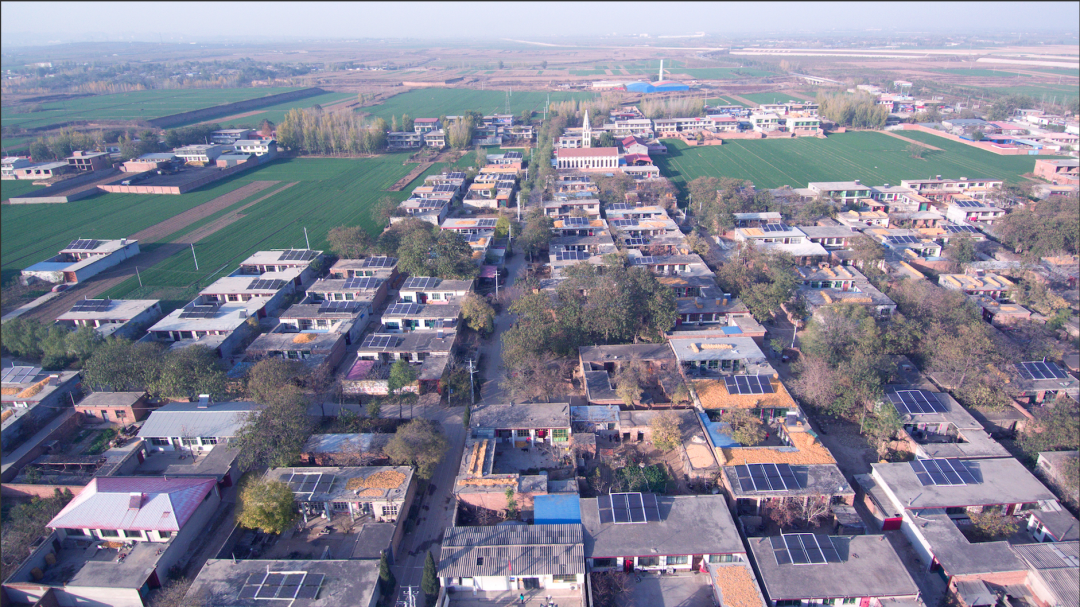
536	415
689	524
338	443
816	479
827	231
956	554
1059	523
532	550
1003	481
187	419
868	567
626	352
351	582
111	399
338	488
713	348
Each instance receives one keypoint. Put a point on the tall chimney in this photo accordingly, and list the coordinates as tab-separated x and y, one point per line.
661	69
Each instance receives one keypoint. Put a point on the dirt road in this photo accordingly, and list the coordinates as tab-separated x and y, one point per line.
902	138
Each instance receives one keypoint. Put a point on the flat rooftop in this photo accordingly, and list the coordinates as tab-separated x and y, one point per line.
288	257
1002	481
330	483
868	567
226	317
626	352
224	582
108	309
816	479
689	524
536	415
716	348
955	553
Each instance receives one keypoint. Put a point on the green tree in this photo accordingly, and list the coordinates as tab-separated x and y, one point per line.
429	583
122	366
373	408
419	443
746	429
349	242
537	233
24	523
189	372
406	123
274	434
386	576
511	504
961	250
39	151
666	430
916	150
402	375
268	378
992	525
266	505
478	313
23	336
881	427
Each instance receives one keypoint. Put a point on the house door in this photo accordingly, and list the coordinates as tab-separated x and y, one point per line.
530	583
628	564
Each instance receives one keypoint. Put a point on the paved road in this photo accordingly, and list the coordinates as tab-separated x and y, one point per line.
491	369
436	506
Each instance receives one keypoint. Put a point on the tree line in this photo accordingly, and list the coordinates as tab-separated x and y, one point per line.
317	132
858	111
422	249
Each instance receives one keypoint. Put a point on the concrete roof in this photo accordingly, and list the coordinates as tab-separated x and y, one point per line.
868	567
817	479
1059	523
827	231
230	315
337	443
689	524
956	554
626	352
187	419
111	399
346	582
118	309
740	348
416	341
504	550
338	490
273	257
1004	481
535	415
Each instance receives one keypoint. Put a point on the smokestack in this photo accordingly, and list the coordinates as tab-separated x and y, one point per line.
661	69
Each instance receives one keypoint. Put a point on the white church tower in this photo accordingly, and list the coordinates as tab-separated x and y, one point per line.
586	130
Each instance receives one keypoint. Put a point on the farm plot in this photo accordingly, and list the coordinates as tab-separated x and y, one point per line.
137	105
12	188
432	103
328	193
724	101
276	113
762	98
722	73
873	158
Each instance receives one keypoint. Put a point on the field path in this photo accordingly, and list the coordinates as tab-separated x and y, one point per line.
742	100
902	138
413	174
112	277
202	232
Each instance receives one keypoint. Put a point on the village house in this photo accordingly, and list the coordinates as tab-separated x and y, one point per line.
364	449
824	287
81	259
40	170
1042	382
830	237
118	538
194	427
1058	171
422	289
843	192
379	266
435	139
587	159
384	492
910	244
330	581
600	366
1052	574
507	559
118	407
201	153
756	220
231	136
716	357
222	327
564	206
82	160
817	569
369	290
405	317
981	284
31	397
120	317
597	244
936	426
426	125
263	149
281	260
471	225
413	346
523	425
404	139
313	348
964	209
272	289
939	189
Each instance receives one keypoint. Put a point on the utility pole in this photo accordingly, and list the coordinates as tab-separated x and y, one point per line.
306	241
519	208
193	256
409	600
472	386
496	283
138	276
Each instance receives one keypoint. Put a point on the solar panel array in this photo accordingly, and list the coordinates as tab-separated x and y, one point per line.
623	223
571	256
379	341
1041	370
804	549
298	255
575	222
774	227
20	375
619	206
421	282
456	175
261	284
380	262
947	472
404	309
310	483
513	155
636	242
628	508
748	384
287	586
92	305
968	204
339	307
961	229
84	244
903	240
208	311
362	283
485	223
917	402
645	260
444	188
767	477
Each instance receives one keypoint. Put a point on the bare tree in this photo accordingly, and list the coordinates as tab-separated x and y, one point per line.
800	511
612	589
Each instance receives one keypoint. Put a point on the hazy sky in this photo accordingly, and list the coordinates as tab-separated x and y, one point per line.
50	22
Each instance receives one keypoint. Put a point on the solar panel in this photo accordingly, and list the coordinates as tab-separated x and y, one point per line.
266	285
917	402
742	473
324	484
571	222
903	240
92	305
380	262
934	471
623	223
652	508
297	255
774	227
20	374
571	256
376	340
627	508
362	283
967	204
828	550
603	504
963	471
636	242
795	550
445	187
780	551
788	477
921	473
961	229
485	223
748	384
645	260
338	307
83	244
421	282
1041	370
403	309
248	592
456	175
200	311
619	206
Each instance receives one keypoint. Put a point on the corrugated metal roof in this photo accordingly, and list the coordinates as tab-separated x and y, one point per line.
512	550
1062	583
108	503
187	419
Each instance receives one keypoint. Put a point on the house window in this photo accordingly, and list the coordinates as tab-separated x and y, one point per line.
190	442
789	603
648	561
164	534
75	532
159	442
108	533
339	506
390	510
559	435
564	579
724	558
604	563
678	560
850	601
209	440
135	534
521	433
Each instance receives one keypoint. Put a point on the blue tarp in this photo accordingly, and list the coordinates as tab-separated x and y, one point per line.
655	87
557	509
732	331
718	432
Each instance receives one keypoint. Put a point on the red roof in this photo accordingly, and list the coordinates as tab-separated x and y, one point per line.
630	158
426	120
586	152
631	140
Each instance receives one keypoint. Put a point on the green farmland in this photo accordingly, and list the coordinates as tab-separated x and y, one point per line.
724	101
432	103
276	113
13	187
873	158
762	98
137	105
329	193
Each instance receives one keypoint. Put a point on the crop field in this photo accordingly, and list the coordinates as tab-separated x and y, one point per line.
873	158
981	72
432	103
723	73
137	105
724	101
1039	91
761	98
16	187
276	113
329	193
30	233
